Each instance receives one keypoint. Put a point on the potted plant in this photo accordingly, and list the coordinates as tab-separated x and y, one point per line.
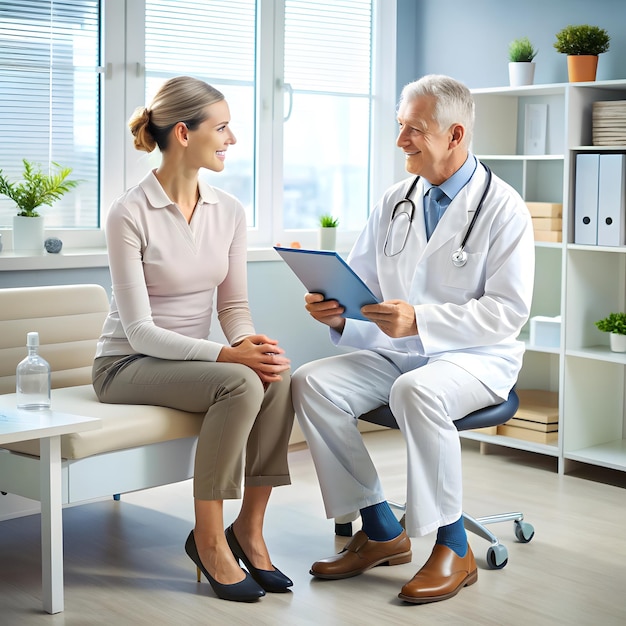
328	231
582	44
35	190
521	65
615	324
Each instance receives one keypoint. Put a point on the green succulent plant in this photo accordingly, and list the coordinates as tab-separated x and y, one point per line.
37	188
521	51
582	39
328	221
614	323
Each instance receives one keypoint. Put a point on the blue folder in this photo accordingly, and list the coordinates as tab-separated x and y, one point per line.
325	272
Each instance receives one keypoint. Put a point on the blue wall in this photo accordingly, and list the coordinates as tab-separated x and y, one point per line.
469	40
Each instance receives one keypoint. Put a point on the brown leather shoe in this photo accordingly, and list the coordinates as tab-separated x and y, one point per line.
361	554
441	577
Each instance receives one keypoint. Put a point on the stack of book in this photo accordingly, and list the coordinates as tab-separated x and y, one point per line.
547	220
609	123
537	418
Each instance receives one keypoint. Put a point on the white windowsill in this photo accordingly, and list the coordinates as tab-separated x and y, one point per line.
11	261
77	258
85	248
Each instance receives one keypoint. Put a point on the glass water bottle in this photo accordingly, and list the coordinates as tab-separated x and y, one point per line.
33	378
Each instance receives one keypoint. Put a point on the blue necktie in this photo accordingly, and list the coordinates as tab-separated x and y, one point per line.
435	203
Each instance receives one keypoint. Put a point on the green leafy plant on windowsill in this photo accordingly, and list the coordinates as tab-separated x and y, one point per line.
328	221
582	40
521	51
614	323
37	188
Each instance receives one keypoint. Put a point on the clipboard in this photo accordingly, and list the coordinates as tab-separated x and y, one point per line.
325	272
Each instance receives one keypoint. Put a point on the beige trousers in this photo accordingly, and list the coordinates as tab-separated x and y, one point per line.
245	429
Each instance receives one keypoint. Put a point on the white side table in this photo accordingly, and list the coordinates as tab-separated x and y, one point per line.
47	426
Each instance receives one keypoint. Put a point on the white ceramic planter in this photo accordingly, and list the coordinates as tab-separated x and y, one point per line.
328	238
28	233
617	342
521	74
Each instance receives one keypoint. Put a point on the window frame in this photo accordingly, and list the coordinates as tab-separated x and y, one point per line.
122	90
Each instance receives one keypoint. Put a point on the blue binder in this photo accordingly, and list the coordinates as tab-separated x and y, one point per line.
325	272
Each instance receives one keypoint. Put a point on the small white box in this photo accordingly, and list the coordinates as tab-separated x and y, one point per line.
545	332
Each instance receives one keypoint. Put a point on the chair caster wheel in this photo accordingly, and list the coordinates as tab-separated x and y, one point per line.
497	556
524	531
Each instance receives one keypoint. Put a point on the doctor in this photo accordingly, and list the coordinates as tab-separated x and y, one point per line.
442	343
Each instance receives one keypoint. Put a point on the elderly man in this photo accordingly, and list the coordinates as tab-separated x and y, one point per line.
443	342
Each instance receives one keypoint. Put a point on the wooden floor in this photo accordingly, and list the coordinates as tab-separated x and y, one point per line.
125	563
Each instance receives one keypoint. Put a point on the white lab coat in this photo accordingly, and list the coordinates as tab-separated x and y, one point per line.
468	320
470	315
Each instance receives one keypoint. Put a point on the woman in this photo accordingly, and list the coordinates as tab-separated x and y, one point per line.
175	245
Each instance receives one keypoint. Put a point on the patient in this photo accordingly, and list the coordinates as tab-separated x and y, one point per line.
177	249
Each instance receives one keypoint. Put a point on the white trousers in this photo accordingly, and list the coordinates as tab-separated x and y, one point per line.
328	396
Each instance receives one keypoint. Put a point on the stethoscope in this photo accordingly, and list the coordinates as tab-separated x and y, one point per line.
406	206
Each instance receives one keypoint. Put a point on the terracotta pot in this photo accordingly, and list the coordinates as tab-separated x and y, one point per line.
581	68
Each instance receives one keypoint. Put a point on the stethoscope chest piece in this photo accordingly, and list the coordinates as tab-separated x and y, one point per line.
459	258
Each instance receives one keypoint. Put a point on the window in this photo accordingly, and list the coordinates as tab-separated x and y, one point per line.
49	95
214	41
309	88
326	133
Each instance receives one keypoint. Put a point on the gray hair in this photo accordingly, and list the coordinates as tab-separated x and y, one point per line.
454	103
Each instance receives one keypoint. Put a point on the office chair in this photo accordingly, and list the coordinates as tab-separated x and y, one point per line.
497	554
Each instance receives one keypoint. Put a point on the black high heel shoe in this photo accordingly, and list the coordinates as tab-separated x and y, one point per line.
273	581
246	590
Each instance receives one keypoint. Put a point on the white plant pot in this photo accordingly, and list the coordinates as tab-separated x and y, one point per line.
617	342
28	233
521	74
328	238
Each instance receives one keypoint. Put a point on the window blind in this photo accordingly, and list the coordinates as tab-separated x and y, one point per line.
49	100
328	45
213	40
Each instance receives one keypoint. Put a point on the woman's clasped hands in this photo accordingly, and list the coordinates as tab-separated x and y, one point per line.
259	353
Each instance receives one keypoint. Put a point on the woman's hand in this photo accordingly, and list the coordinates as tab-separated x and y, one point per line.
259	353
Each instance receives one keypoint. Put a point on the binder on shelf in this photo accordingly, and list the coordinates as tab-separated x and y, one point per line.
586	199
612	200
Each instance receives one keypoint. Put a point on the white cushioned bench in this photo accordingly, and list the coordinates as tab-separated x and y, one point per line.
137	447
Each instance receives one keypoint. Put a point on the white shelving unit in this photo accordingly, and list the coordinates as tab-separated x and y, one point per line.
580	283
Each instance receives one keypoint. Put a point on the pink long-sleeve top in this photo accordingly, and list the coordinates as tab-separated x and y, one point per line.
168	275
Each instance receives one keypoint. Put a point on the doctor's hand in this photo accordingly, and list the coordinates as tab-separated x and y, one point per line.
395	318
325	311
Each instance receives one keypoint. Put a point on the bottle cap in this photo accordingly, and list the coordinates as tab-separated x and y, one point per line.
32	340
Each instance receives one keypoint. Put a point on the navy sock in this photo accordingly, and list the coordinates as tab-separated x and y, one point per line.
379	522
454	536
